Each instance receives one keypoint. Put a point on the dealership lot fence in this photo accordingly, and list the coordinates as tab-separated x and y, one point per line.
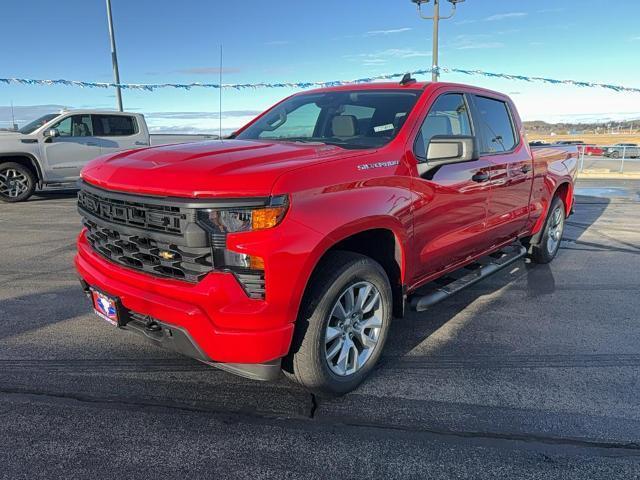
615	158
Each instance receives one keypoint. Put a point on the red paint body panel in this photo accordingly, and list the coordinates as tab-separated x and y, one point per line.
438	223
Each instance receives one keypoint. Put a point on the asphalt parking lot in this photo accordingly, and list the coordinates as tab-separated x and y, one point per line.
534	373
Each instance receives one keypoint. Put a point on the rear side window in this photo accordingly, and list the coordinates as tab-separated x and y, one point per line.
448	116
496	125
113	125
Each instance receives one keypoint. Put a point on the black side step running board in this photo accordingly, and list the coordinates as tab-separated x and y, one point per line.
448	285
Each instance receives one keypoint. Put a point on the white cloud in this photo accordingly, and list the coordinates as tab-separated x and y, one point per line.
388	32
475	42
383	56
494	18
504	16
480	45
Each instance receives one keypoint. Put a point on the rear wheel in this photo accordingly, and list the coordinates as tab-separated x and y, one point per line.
342	326
17	182
549	244
615	154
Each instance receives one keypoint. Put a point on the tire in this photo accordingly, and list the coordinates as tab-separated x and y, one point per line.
17	182
547	249
313	361
615	154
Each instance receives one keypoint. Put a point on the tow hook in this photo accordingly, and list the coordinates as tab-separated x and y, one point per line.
152	326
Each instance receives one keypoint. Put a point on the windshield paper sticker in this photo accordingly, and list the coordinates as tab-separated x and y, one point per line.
368	166
383	128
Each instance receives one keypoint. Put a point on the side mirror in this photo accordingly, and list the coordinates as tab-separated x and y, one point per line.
446	149
51	133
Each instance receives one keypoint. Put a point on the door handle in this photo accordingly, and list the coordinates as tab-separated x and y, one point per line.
480	177
526	168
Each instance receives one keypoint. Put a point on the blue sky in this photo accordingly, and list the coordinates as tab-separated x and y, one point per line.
168	41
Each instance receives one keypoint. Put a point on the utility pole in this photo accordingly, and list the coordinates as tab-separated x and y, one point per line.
114	57
436	17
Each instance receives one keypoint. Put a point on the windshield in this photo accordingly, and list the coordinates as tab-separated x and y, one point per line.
36	124
349	119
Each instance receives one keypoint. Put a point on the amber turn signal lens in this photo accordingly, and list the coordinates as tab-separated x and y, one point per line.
267	217
256	263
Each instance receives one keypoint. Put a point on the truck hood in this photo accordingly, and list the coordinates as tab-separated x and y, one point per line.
232	168
16	142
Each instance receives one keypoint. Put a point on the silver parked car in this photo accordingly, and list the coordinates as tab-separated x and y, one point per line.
628	150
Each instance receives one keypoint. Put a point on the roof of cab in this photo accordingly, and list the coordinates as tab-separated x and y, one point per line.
398	86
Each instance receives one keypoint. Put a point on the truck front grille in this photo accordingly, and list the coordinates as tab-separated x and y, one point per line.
191	264
148	216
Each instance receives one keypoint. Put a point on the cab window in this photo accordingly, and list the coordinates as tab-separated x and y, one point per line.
75	126
114	125
448	116
496	125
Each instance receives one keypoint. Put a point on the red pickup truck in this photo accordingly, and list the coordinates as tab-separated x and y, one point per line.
292	245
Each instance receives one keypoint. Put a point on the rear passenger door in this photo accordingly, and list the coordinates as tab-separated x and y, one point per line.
118	132
451	203
511	167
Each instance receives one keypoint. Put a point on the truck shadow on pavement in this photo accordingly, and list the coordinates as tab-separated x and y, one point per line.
416	330
32	311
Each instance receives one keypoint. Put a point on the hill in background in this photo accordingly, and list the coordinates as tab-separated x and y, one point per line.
538	127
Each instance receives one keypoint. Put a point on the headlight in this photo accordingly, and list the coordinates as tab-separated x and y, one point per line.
236	220
218	222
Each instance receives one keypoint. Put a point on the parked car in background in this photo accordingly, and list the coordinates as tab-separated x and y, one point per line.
569	142
538	143
289	246
591	150
53	149
620	150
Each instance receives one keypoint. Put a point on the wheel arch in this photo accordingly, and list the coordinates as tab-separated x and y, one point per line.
564	191
382	244
26	159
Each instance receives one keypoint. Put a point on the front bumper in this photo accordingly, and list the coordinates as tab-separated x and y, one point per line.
220	323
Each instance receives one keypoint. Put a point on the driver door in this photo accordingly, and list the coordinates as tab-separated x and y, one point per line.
66	153
451	200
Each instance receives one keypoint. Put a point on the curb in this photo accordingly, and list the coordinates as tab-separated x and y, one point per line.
609	176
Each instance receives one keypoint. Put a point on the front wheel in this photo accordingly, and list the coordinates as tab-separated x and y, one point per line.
17	182
342	326
549	244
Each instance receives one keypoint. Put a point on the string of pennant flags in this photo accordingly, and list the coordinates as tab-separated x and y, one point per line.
150	87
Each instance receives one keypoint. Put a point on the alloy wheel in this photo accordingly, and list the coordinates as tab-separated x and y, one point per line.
353	329
13	183
556	228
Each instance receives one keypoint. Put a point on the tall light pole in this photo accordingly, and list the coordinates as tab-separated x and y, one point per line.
436	21
114	56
